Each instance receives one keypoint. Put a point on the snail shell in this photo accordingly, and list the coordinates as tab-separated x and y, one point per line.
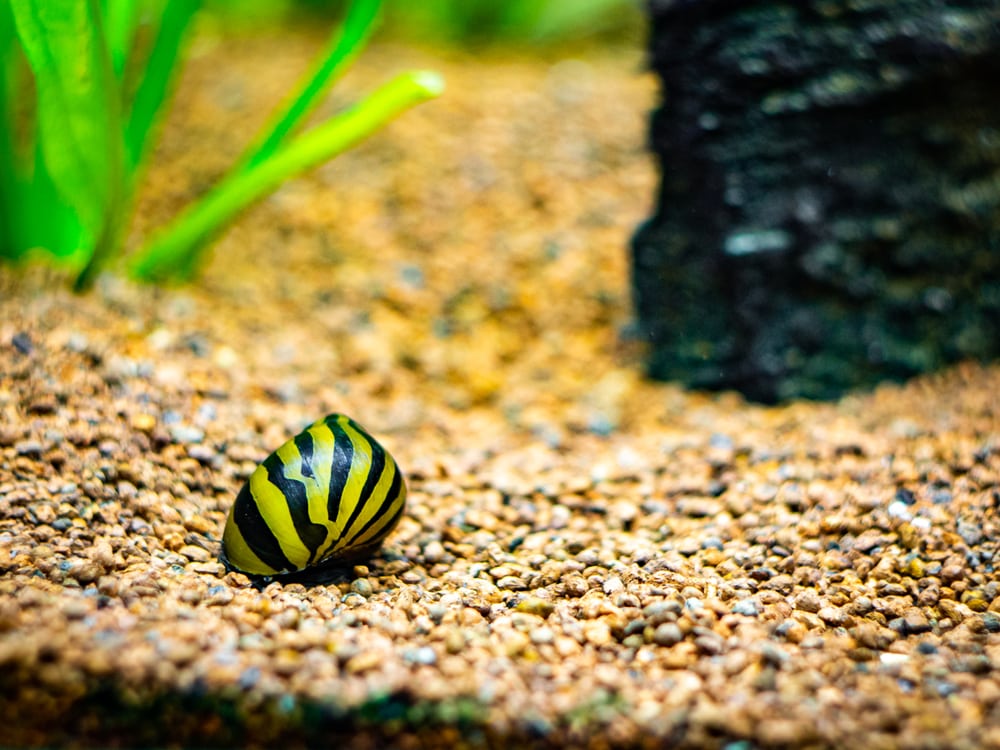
328	495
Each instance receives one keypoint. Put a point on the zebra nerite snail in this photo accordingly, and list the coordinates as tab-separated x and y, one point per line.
330	494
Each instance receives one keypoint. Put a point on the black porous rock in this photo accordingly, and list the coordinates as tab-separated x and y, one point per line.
829	211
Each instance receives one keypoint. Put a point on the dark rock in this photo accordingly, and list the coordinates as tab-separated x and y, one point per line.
22	342
830	188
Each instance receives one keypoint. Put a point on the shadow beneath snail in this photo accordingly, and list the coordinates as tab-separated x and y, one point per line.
332	572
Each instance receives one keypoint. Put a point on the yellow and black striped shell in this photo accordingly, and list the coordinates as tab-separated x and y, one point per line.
329	494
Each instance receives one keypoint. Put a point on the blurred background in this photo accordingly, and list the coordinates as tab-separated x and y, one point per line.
519	23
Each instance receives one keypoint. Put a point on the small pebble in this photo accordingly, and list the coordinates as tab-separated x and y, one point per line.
667	634
362	587
542	635
29	448
195	554
434	552
180	433
22	342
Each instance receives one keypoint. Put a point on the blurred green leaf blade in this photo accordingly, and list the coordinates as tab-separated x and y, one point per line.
9	171
345	45
158	75
120	18
174	254
79	125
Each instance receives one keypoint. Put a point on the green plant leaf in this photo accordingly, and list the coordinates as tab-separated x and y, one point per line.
120	18
175	253
344	46
156	80
560	19
79	126
9	171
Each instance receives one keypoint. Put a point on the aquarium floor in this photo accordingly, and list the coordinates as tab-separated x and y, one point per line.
589	559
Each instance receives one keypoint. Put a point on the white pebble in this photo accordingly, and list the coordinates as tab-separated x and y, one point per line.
891	659
898	509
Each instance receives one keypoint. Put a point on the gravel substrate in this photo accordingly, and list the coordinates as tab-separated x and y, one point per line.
588	559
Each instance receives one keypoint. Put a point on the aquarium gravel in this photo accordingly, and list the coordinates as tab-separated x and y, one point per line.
587	559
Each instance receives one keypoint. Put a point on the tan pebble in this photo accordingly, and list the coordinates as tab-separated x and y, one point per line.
916	621
975	600
861	653
832	524
180	652
795	632
597	632
680	656
952	610
503	571
952	572
199	524
833	616
470	616
286	661
85	571
143	422
574	586
434	552
98	663
454	641
514	643
103	555
76	609
542	635
929	596
512	583
220	597
481	519
873	636
535	606
209	567
909	537
396	567
714	557
192	593
835	560
195	553
613	585
566	646
808	601
786	732
363	662
915	568
173	541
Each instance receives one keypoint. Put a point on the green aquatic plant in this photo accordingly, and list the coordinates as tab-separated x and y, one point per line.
514	21
511	23
71	159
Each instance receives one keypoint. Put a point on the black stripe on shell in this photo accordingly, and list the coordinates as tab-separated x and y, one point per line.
374	474
340	470
296	496
386	503
256	533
